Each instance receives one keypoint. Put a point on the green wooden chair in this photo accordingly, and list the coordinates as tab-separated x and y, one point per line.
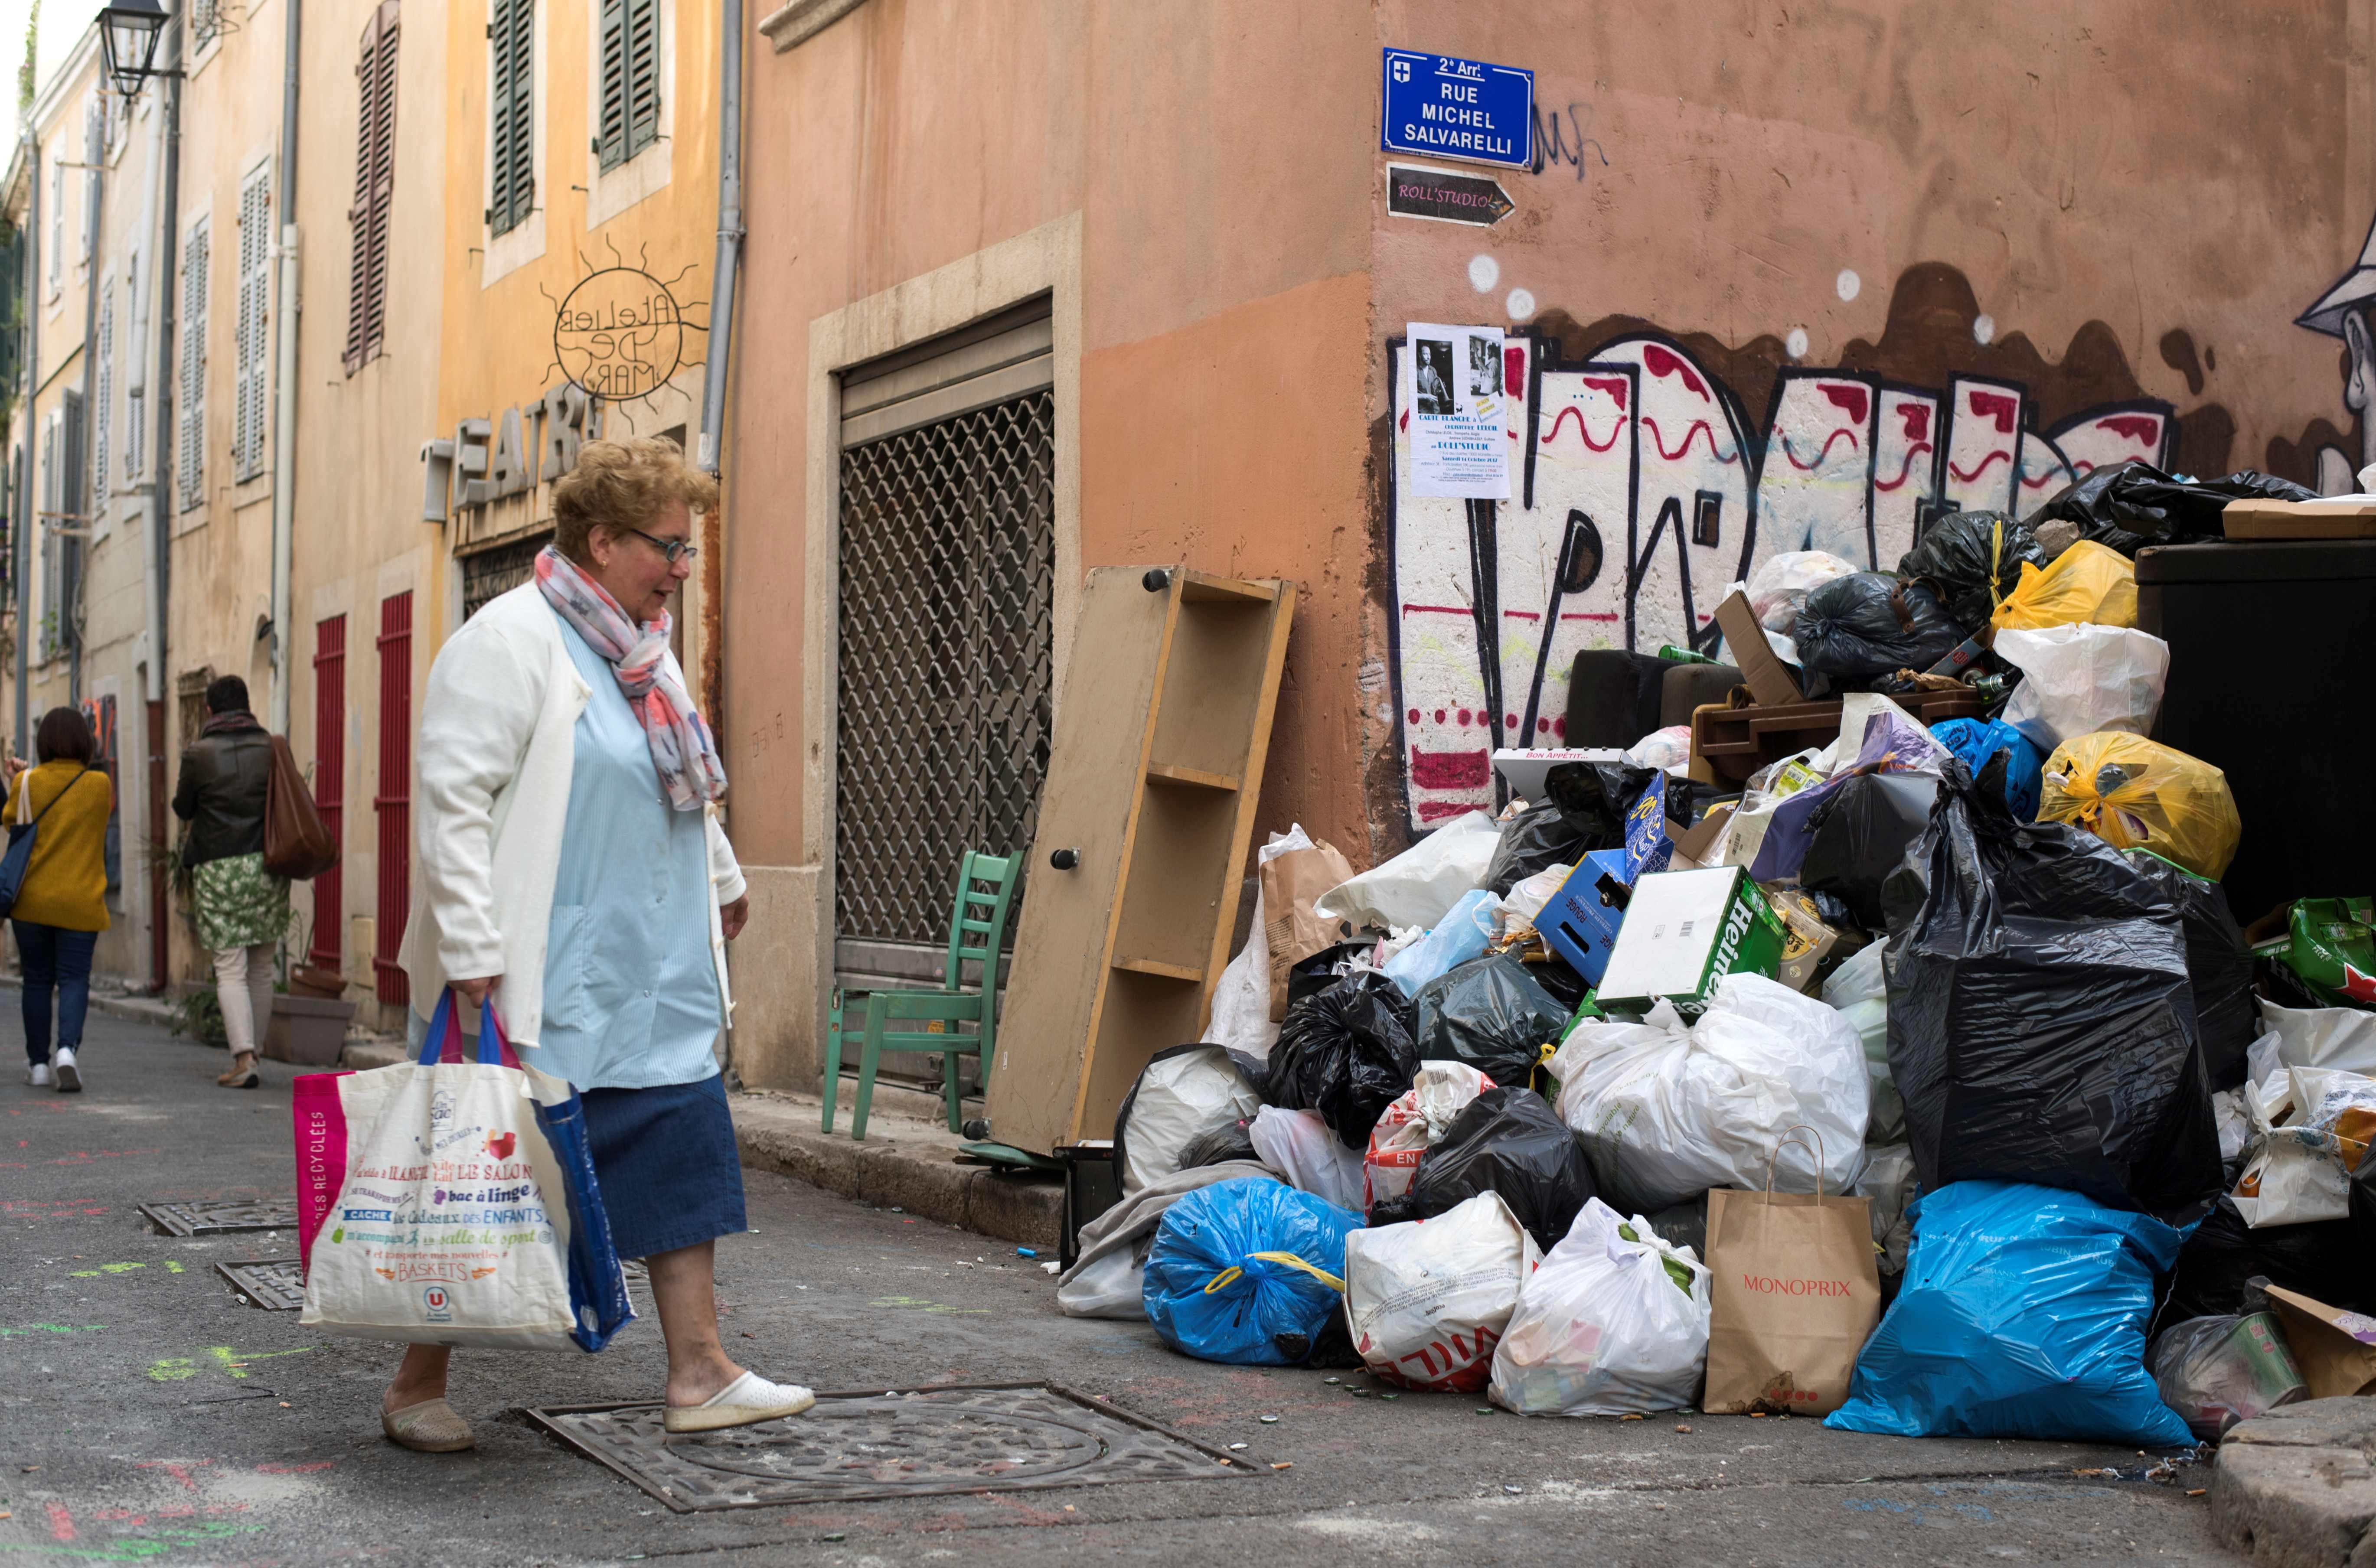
976	927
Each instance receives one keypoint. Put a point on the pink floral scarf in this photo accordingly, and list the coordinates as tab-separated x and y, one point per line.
682	748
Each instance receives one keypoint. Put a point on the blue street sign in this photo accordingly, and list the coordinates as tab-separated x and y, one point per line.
1445	107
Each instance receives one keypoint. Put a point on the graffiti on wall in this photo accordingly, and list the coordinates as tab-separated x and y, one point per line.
1650	470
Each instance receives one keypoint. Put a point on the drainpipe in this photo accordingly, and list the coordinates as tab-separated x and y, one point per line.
729	237
94	498
135	387
21	547
284	412
160	450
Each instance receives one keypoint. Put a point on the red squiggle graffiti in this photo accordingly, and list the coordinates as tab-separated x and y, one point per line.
1583	431
1665	362
1907	467
1999	455
1846	435
1698	427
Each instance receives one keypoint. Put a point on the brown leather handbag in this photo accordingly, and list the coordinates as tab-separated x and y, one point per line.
297	843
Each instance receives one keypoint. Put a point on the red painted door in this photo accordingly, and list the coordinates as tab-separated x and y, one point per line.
330	787
393	802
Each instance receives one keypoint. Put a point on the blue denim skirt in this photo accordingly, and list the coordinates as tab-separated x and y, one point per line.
666	1162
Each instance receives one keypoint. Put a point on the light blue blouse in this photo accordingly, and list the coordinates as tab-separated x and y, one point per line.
630	987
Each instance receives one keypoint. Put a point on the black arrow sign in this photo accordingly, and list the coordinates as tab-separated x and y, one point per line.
1452	198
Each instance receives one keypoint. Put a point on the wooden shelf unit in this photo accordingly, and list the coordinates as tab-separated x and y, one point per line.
1152	784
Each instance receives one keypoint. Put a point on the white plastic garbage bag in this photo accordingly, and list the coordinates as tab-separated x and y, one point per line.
1666	1112
1669	748
1413	1125
1420	885
2082	678
1525	899
1428	1301
1300	1146
2233	1110
1781	583
1608	1325
2315	1037
1859	992
2310	1130
1181	1094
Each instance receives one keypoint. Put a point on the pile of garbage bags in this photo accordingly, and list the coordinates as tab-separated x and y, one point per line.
1925	1083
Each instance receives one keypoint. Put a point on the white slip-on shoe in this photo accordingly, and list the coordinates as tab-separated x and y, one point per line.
38	1074
62	1062
747	1399
431	1427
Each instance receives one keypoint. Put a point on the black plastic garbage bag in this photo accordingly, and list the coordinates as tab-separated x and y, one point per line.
1537	838
1220	1145
2041	1023
1859	832
2322	1259
1490	1013
2132	505
1582	809
1317	973
1345	1053
1971	560
1508	1141
2218	963
1855	629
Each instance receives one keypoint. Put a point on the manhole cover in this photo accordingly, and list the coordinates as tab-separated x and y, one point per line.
853	1447
278	1285
218	1218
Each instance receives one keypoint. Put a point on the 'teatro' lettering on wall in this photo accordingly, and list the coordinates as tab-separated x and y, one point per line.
486	460
1650	470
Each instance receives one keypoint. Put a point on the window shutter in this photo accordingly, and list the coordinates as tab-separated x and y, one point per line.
374	186
51	504
513	124
611	144
190	453
67	597
643	74
104	392
255	297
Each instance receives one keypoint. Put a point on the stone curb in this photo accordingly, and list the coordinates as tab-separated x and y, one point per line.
921	1179
2294	1489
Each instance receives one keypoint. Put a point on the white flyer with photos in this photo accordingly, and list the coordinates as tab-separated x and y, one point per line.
1457	446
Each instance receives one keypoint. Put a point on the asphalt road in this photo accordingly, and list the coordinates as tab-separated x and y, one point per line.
146	1416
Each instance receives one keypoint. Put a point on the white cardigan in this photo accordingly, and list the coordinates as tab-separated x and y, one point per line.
498	739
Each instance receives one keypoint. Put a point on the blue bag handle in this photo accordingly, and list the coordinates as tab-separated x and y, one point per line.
443	1042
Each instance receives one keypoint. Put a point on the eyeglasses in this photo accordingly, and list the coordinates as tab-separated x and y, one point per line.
676	550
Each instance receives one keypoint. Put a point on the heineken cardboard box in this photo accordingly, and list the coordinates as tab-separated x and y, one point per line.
1683	932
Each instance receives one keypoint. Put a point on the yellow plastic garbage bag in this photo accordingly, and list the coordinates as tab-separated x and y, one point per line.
2135	795
2088	582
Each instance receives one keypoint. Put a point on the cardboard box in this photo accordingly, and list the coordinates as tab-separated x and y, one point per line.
1696	846
2335	1350
2336	518
1762	670
1683	932
1582	920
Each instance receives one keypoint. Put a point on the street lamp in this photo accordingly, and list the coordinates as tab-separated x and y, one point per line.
129	31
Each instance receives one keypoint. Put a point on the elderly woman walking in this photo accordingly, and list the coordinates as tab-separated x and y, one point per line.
575	879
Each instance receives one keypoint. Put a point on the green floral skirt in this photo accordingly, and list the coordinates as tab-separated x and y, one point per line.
240	904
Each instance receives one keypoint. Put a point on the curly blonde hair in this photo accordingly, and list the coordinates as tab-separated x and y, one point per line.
623	486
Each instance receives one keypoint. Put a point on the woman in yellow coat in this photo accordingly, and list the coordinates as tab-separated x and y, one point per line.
62	906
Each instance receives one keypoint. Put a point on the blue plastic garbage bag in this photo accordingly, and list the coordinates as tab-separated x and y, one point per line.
2023	1315
1247	1272
1974	742
1460	936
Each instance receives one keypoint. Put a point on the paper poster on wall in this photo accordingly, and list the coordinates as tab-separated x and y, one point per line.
1457	442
